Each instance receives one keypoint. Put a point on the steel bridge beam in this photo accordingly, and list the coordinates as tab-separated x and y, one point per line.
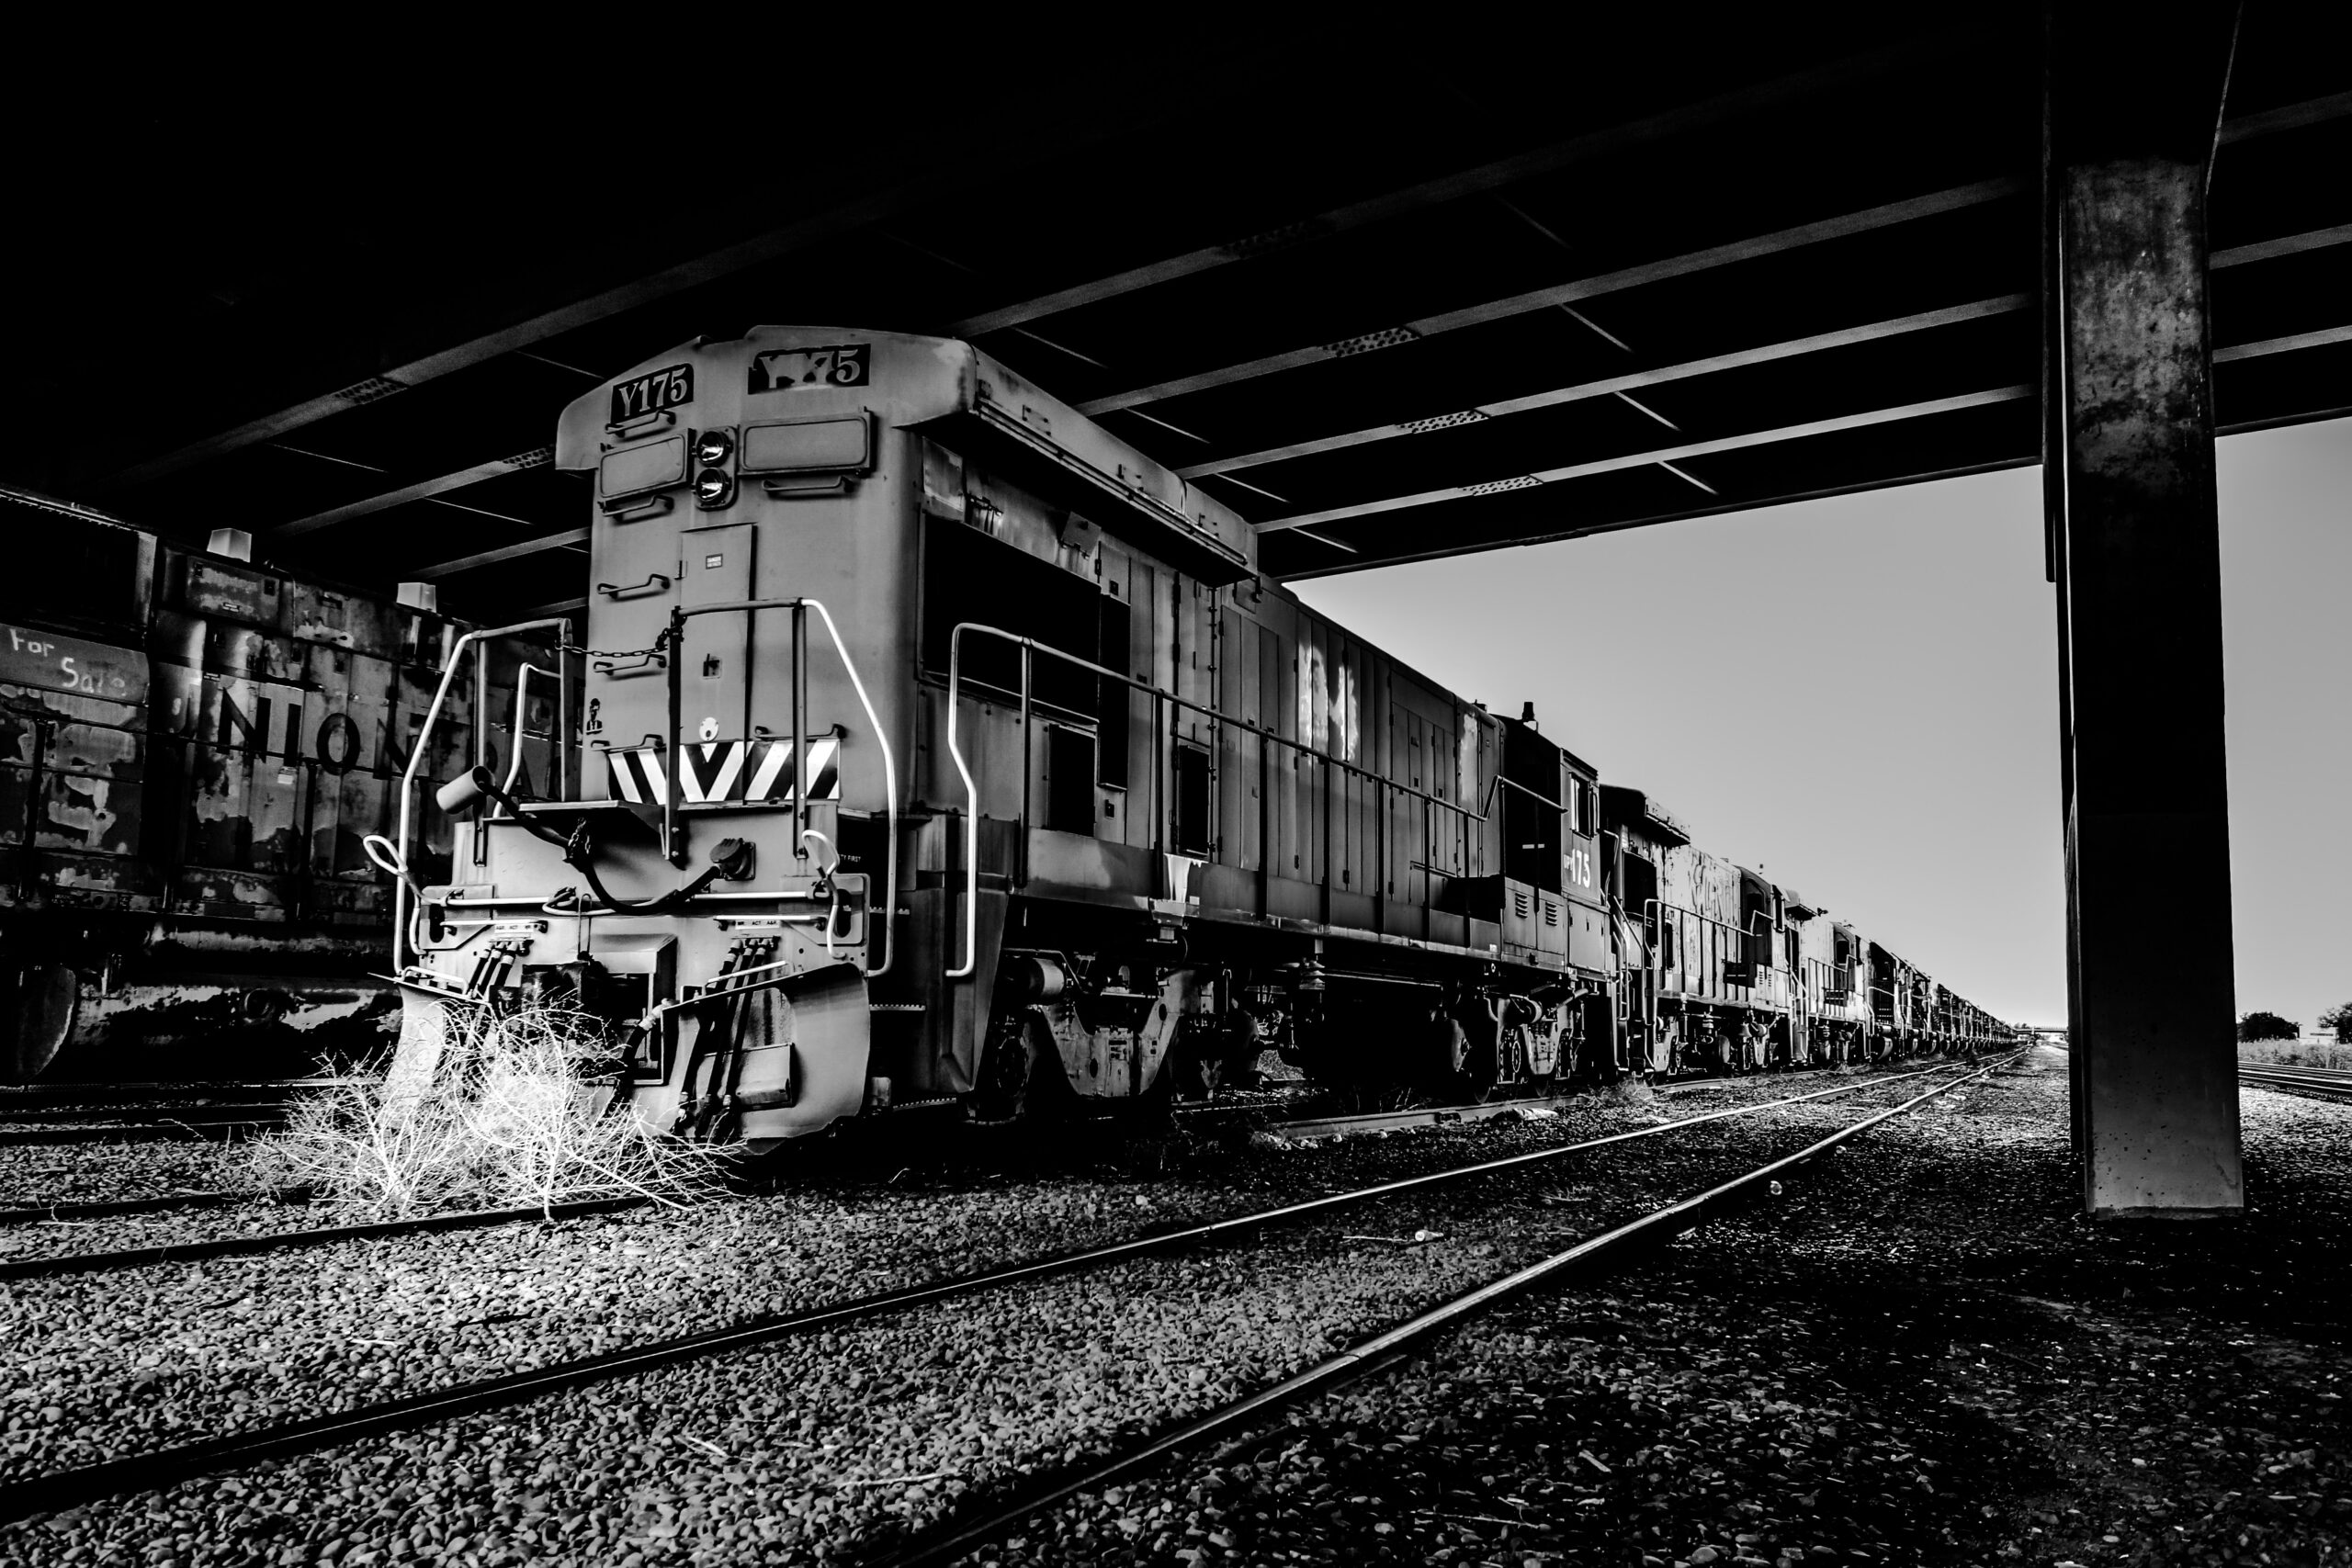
2132	106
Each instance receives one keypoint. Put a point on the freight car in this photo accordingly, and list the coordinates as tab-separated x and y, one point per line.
193	749
955	752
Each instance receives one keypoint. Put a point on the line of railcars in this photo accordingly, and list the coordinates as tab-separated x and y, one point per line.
194	751
945	750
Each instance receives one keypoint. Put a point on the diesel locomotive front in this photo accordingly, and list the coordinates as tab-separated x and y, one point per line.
942	747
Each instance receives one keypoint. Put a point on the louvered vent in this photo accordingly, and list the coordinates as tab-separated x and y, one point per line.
1496	487
373	389
1438	422
536	457
1387	337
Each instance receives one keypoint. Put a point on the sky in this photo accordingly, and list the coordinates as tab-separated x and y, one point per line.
1858	696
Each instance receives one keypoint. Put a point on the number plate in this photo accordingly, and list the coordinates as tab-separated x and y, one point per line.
642	395
800	370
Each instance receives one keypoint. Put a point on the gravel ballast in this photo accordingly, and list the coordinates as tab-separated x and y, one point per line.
1920	1355
1142	1345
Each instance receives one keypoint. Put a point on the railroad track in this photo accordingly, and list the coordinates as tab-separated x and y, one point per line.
173	1130
1352	1124
1236	1423
34	1114
1298	1128
52	1099
70	1488
2329	1082
287	1241
252	1111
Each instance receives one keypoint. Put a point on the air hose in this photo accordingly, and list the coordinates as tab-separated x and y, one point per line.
729	858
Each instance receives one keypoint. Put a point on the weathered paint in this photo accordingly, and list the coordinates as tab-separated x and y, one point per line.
214	766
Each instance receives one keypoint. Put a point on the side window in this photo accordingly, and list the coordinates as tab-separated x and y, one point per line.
1070	780
1113	702
967	576
1189	828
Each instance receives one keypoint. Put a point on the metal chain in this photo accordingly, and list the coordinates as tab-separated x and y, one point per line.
661	641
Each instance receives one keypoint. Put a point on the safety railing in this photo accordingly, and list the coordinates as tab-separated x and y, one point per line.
561	765
1824	975
1384	786
1655	915
466	645
673	829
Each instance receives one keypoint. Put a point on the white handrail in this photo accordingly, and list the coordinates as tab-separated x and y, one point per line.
971	815
889	797
1223	720
561	624
522	695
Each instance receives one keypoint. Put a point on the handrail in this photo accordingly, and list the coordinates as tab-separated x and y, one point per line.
1501	784
1031	645
524	672
1662	909
560	624
680	615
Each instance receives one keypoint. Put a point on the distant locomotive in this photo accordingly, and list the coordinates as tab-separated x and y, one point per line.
957	752
192	751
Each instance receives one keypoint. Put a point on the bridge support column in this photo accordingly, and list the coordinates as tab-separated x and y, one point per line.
2133	101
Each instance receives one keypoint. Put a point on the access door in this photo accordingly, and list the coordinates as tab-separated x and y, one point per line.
715	671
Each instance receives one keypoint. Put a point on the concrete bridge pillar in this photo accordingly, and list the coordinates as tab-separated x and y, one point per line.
2134	99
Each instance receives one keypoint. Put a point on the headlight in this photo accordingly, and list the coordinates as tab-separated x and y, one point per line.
714	487
713	447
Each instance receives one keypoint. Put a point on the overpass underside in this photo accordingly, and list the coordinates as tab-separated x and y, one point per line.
1389	296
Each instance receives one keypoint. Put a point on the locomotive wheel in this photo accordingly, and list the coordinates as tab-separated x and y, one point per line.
1516	1074
39	1004
1021	1076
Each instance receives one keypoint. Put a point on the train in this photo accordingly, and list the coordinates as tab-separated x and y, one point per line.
945	751
194	751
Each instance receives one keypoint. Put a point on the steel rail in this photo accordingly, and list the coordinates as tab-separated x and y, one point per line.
132	1113
107	1208
147	1092
287	1241
2331	1087
64	1489
948	1542
136	1132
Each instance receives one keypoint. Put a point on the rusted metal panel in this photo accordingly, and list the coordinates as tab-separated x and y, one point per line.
348	807
330	617
224	892
362	904
76	813
46	662
70	880
252	652
229	590
91	750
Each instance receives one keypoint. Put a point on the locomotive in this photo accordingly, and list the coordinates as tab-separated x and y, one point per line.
193	751
943	749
